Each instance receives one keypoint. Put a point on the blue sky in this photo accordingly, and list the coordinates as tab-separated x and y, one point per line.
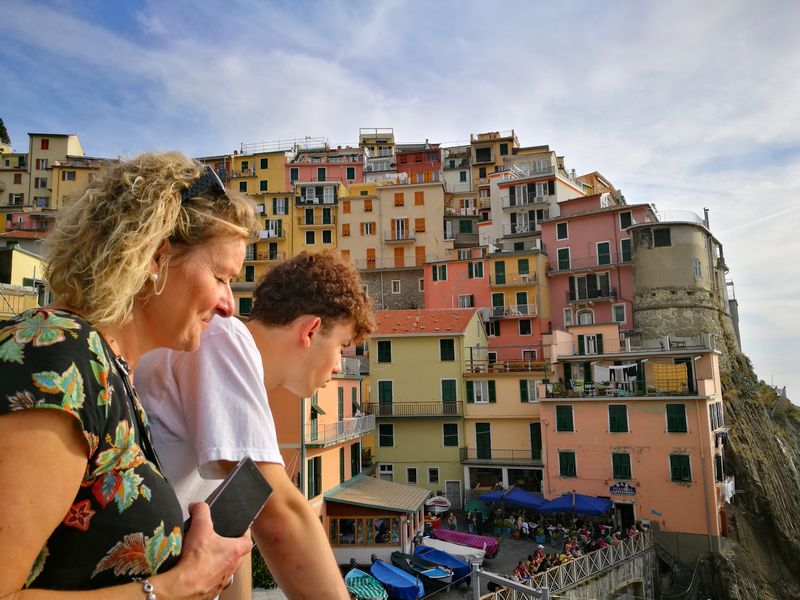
680	104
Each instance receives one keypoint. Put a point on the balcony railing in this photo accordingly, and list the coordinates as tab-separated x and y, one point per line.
327	434
351	366
591	295
633	342
458	163
455	211
521	228
316	222
498	456
592	262
523	199
272	234
415	409
512	279
399	236
513	310
314	200
478	366
656	387
241	173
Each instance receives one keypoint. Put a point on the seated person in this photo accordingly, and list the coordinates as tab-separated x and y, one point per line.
521	573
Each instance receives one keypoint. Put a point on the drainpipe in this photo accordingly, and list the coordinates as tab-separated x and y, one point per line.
703	471
302	481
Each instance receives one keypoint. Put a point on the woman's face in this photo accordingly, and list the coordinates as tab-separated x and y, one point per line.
197	289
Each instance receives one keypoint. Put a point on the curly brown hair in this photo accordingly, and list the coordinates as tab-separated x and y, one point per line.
321	284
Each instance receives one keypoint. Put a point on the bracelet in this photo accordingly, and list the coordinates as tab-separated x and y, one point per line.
147	588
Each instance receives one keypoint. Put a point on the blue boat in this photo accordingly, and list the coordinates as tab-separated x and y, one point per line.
433	576
461	569
363	586
399	584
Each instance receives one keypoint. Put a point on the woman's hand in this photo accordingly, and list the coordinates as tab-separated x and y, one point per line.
208	561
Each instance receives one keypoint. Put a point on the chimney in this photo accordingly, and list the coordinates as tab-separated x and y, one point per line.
705	217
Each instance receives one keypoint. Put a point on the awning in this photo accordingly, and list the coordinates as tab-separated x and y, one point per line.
577	503
378	493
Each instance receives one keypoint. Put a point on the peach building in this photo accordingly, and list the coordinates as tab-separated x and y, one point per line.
639	422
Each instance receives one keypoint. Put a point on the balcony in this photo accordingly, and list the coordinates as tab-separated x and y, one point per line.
350	366
314	200
498	456
457	211
264	256
512	279
522	228
612	259
592	295
241	173
656	388
478	366
457	163
380	167
399	237
316	221
633	342
513	311
415	409
271	234
524	200
329	434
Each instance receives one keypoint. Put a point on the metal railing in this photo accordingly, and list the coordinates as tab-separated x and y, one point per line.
582	296
513	310
242	173
585	262
458	211
415	409
491	456
334	433
519	228
351	366
612	389
579	569
523	199
633	342
455	163
400	236
317	221
477	366
265	256
277	234
512	279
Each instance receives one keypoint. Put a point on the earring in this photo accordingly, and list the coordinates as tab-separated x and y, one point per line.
154	277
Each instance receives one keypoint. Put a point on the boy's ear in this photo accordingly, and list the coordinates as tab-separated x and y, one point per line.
310	326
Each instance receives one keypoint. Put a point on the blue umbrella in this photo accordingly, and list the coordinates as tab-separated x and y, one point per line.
516	496
577	503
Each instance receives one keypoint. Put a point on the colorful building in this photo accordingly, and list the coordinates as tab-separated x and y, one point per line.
419	417
421	162
379	153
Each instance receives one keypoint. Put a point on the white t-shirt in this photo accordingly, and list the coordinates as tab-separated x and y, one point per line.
207	406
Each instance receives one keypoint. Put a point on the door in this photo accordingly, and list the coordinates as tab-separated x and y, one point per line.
624	515
449	397
536	441
483	441
452	491
400	229
385	393
273	251
399	257
522	303
498	304
500	272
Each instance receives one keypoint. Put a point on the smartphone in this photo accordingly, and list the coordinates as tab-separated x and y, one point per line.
238	500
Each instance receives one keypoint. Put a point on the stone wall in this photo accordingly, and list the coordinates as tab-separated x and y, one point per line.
379	287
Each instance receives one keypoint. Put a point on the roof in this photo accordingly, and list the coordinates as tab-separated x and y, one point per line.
378	493
431	321
23	235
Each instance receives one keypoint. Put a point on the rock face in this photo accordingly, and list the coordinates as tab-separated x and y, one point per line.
761	557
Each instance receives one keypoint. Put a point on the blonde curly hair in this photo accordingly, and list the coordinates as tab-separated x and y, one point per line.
102	244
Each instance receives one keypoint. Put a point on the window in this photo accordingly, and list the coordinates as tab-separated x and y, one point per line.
563	259
462	176
566	464
562	231
419	225
45	144
310	238
351	173
567	317
321	174
40	182
314	488
482	172
625	250
680	468
16	199
245	306
433	474
262	185
483	154
386	472
411	475
243	186
527	390
421	284
368	205
617	418
280	206
661	237
346	207
625	220
65	176
439	272
385	435
466	301
564	420
523	268
676	418
419	198
264	163
481	392
620	465
618	313
395	286
327	236
696	271
447	350
345	229
41	164
590	344
589	287
18	176
585	316
450	434
465	226
503	149
493	328
293	174
384	351
475	270
244	166
525	327
603	253
249	273
398	199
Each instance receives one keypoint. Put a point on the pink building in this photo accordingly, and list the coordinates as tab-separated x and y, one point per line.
422	162
639	422
590	255
344	165
461	282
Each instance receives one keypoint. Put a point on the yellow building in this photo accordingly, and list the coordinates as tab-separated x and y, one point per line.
489	150
22	284
314	218
419	416
70	176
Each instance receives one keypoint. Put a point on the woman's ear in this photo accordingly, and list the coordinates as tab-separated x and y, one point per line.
161	255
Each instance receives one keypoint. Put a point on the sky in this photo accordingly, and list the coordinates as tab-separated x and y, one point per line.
682	104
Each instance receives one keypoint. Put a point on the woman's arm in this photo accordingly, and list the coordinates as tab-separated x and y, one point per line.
42	463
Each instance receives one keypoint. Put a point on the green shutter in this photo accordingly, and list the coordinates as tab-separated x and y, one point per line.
523	390
470	271
492	392
435	273
470	391
599	343
581	345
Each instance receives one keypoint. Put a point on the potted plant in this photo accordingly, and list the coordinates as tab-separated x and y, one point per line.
507	525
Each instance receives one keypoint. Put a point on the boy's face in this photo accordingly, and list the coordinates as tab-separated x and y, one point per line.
324	357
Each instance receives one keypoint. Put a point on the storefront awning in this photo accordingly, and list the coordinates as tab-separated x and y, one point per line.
378	493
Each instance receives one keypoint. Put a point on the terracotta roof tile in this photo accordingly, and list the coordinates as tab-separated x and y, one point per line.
23	235
430	321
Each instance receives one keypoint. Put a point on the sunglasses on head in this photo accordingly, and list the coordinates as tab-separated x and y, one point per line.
208	184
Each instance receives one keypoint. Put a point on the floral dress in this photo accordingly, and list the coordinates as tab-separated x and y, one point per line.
125	520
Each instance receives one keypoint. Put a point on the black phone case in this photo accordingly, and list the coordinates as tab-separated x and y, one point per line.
238	500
